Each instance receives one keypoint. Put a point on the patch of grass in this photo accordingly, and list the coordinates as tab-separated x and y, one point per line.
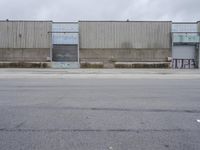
92	65
140	65
23	65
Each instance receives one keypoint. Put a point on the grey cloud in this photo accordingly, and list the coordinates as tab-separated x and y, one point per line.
74	10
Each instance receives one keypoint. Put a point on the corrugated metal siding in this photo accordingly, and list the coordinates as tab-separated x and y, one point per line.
24	34
3	34
125	34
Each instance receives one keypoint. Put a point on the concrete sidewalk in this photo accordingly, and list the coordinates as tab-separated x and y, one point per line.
101	73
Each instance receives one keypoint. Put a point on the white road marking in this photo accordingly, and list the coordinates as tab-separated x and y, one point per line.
198	120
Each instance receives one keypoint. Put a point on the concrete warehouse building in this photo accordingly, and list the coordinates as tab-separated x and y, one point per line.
99	44
24	41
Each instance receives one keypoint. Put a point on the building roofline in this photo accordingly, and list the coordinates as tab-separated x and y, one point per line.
118	21
25	20
95	21
63	22
184	22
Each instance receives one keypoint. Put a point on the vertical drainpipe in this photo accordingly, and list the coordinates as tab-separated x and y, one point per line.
198	45
198	53
79	44
50	34
172	45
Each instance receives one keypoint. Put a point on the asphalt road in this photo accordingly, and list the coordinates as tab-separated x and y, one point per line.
99	114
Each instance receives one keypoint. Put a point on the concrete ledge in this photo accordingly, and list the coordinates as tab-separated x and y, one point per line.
25	65
142	64
92	65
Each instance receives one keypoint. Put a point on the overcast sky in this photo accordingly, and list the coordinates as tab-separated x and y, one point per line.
74	10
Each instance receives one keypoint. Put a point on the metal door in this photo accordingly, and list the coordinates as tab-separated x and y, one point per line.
183	57
65	53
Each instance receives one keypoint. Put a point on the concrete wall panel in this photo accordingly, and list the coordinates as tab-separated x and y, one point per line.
31	55
124	55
